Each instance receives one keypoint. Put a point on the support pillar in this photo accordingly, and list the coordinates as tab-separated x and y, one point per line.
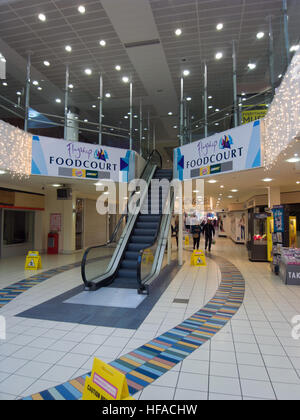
235	98
273	197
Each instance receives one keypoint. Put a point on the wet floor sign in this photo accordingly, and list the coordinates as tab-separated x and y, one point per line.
105	383
198	258
33	261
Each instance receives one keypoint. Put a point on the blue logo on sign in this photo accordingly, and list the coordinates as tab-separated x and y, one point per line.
226	142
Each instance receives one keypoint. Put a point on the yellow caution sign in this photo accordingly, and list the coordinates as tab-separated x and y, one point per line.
105	383
187	240
33	261
148	256
198	258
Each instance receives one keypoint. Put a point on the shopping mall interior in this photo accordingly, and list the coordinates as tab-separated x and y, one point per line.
150	200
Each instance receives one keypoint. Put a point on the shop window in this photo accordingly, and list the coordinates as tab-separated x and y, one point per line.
18	227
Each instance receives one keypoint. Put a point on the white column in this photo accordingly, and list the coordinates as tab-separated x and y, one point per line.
273	196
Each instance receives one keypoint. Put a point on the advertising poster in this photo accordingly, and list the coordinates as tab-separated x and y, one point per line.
234	150
56	157
278	215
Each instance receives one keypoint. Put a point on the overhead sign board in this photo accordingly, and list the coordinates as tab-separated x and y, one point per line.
234	150
56	157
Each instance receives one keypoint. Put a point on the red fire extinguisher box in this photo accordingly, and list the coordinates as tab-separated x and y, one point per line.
53	243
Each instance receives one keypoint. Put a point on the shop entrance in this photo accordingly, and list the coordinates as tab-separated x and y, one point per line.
16	232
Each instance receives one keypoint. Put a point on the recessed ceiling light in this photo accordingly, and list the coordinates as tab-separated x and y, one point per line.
279	76
135	116
19	93
230	196
42	17
243	94
175	126
93	106
88	71
188	98
58	100
170	113
267	180
98	184
234	191
2	172
125	79
178	32
186	72
40	88
210	97
4	83
294	48
221	186
56	185
68	48
108	95
298	182
219	55
260	35
217	110
210	107
126	117
252	66
35	82
85	120
212	181
294	159
102	43
46	63
118	68
220	26
71	86
81	9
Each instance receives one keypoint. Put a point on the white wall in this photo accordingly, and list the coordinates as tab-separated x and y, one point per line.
95	225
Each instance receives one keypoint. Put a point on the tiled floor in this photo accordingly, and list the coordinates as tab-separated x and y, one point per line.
253	357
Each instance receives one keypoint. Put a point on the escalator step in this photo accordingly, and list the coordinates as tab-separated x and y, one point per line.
144	232
148	218
145	225
130	264
137	247
131	255
127	273
141	239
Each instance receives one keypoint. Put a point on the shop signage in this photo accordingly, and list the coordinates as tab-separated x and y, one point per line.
60	158
253	115
105	383
234	150
278	214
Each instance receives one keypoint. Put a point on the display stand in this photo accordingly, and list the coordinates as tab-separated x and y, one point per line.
289	266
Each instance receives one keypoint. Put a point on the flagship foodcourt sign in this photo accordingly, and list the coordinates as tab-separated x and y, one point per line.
237	149
56	157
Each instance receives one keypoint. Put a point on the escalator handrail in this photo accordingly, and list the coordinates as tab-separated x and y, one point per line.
139	264
114	234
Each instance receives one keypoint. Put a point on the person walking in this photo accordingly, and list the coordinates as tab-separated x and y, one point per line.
209	232
196	232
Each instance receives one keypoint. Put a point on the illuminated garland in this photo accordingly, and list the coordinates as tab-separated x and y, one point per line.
282	123
15	150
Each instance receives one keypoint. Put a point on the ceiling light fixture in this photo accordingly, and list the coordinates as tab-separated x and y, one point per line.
118	68
4	83
212	181
19	93
81	9
35	82
220	26
56	185
125	79
88	71
294	159
260	35
294	48
71	86
219	55
188	98
234	191
58	100
252	66
40	88
108	95
68	48
178	32
170	113
102	43
42	17
46	63
267	179
186	72
2	172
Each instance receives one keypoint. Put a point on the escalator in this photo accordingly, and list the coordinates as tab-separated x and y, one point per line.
133	256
